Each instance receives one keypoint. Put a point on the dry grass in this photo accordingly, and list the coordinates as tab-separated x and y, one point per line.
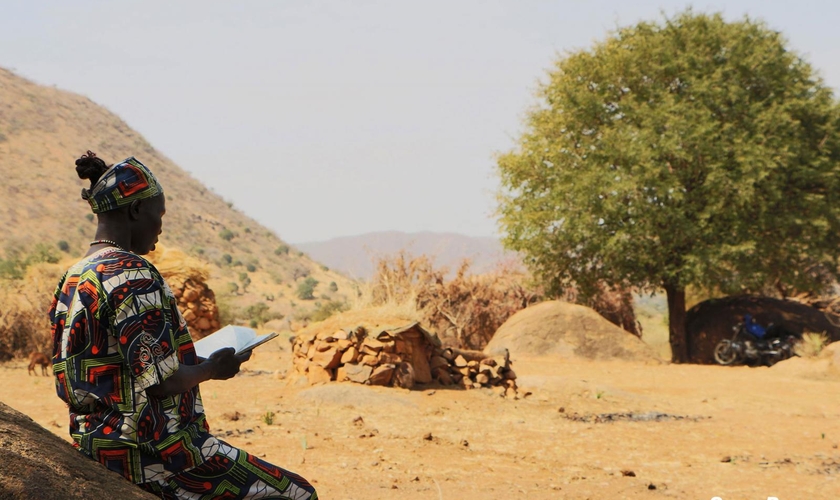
24	325
811	345
465	310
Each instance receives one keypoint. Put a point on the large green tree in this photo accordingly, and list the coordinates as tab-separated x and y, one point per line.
687	152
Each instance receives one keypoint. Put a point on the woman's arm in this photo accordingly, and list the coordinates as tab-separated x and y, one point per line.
221	365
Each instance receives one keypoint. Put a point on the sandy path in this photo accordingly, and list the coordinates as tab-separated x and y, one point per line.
779	427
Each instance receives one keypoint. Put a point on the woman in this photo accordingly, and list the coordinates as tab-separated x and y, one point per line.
124	360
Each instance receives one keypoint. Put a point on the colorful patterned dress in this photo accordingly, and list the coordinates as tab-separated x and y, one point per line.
116	332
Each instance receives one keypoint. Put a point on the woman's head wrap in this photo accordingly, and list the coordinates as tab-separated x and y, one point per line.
121	184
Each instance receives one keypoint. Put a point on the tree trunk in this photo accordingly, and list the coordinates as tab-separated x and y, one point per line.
676	323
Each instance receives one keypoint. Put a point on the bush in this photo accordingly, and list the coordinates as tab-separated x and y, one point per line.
251	268
466	310
12	269
283	249
228	313
324	268
811	345
227	258
333	286
64	246
328	309
259	314
232	288
24	326
226	234
89	217
306	290
42	253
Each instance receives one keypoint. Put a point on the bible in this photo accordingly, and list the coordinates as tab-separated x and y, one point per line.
239	337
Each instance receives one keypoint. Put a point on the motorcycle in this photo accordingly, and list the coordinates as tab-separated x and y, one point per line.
753	344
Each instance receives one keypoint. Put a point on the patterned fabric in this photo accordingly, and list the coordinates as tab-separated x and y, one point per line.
117	331
120	185
233	474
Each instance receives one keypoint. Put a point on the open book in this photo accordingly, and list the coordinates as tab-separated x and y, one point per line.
240	338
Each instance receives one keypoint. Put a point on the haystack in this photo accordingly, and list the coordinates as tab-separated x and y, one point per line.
571	330
187	277
35	463
374	352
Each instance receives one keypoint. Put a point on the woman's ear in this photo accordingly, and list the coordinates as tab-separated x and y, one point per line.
134	209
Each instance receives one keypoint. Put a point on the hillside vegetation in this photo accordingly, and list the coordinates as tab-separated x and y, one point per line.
43	130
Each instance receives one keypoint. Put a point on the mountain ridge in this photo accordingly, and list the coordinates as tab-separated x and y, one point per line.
355	255
44	129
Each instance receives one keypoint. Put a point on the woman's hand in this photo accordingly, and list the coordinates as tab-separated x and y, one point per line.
221	365
226	362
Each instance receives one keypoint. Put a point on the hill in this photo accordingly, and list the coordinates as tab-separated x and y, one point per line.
44	129
355	255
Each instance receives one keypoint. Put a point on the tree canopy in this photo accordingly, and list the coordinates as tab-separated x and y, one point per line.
687	152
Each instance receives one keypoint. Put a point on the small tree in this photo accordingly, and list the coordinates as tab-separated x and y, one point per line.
259	314
693	152
306	289
245	280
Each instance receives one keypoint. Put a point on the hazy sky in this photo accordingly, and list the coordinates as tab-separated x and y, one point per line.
324	119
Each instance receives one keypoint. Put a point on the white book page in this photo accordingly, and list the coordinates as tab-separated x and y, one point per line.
239	337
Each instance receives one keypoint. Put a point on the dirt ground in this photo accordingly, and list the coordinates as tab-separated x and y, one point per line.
604	429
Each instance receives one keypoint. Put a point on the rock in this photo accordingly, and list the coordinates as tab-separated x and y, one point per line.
341	335
318	375
438	362
404	376
388	358
350	355
357	373
460	362
327	359
382	374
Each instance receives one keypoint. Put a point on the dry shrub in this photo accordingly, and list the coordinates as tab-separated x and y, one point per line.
810	345
465	310
614	304
24	304
174	263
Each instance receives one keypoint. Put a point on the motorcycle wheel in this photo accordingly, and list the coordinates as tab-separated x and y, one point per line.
724	353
